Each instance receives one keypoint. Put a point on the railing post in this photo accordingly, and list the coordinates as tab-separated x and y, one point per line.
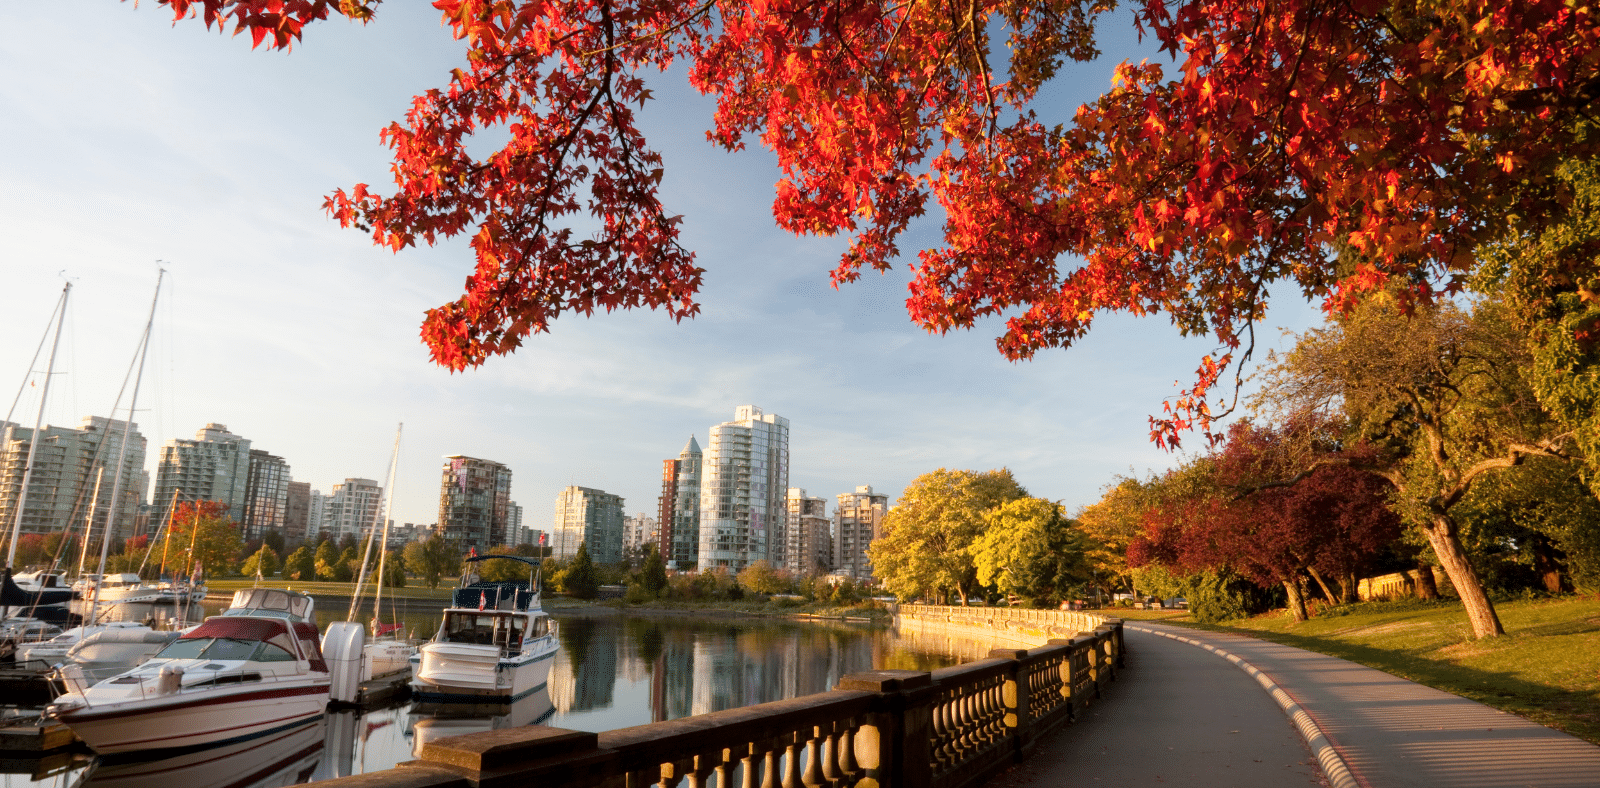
1019	706
893	748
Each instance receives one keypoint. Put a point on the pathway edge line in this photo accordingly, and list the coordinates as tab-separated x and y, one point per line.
1333	765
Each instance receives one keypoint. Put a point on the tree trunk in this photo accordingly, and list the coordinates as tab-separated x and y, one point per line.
1297	601
1447	546
1426	588
1326	591
1349	588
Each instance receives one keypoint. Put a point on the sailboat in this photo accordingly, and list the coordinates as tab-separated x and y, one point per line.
384	654
13	598
125	587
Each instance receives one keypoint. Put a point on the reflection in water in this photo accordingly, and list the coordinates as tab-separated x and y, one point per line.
432	721
616	672
611	672
281	759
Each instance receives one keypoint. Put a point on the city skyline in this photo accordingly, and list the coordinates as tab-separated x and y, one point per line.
174	144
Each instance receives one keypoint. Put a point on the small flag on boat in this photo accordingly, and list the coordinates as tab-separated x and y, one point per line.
483	601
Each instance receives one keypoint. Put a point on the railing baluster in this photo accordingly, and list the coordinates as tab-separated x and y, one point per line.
791	762
812	778
751	762
769	778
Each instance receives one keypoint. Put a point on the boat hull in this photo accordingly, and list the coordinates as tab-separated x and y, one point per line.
195	718
457	673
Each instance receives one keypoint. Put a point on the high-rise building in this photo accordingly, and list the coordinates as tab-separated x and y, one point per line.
514	532
316	507
638	531
266	503
810	546
475	503
351	510
297	511
215	466
678	508
743	482
63	488
856	523
590	516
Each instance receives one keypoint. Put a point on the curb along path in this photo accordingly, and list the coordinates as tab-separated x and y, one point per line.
1333	765
1370	729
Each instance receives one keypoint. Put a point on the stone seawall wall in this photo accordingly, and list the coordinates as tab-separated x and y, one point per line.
971	632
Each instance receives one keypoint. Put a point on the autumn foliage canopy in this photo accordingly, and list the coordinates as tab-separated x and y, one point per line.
1404	132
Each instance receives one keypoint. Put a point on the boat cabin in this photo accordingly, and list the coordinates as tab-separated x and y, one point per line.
492	628
272	602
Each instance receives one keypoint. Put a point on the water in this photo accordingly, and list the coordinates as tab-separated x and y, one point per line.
611	672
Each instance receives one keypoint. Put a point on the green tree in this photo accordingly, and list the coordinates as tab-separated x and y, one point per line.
348	565
202	533
1433	402
653	576
1550	282
923	549
430	558
1029	549
579	579
497	570
394	569
761	578
327	560
264	560
1111	524
301	564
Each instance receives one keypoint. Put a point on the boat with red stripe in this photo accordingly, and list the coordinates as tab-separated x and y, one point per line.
254	670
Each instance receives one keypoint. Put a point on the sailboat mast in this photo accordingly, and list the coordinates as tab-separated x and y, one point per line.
122	449
33	440
388	509
377	512
88	528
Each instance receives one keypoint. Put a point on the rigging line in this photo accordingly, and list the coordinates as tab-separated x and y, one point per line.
33	439
60	302
97	460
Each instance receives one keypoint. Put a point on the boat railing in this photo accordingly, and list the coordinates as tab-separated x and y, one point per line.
144	686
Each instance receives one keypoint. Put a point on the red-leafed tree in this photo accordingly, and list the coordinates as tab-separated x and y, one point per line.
1408	132
1327	524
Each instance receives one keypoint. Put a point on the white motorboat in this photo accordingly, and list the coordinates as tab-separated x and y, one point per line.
495	645
109	651
54	650
116	588
254	670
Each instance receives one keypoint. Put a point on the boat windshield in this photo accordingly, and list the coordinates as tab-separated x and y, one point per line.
484	629
224	648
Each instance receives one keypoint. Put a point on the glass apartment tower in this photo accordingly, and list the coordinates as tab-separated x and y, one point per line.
678	508
744	481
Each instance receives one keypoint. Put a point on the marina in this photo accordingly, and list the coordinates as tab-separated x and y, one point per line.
609	671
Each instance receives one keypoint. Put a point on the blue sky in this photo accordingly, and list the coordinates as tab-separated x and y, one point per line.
127	140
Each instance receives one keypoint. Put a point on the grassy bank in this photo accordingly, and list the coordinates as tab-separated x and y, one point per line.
1546	668
319	588
559	603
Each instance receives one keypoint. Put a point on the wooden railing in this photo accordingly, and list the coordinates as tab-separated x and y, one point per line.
952	728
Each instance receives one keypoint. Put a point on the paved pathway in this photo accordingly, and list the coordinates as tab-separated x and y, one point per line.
1177	717
1367	729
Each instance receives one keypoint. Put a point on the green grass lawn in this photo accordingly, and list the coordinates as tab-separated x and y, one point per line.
320	588
1546	667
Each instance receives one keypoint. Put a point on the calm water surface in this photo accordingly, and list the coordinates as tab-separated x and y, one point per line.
611	672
